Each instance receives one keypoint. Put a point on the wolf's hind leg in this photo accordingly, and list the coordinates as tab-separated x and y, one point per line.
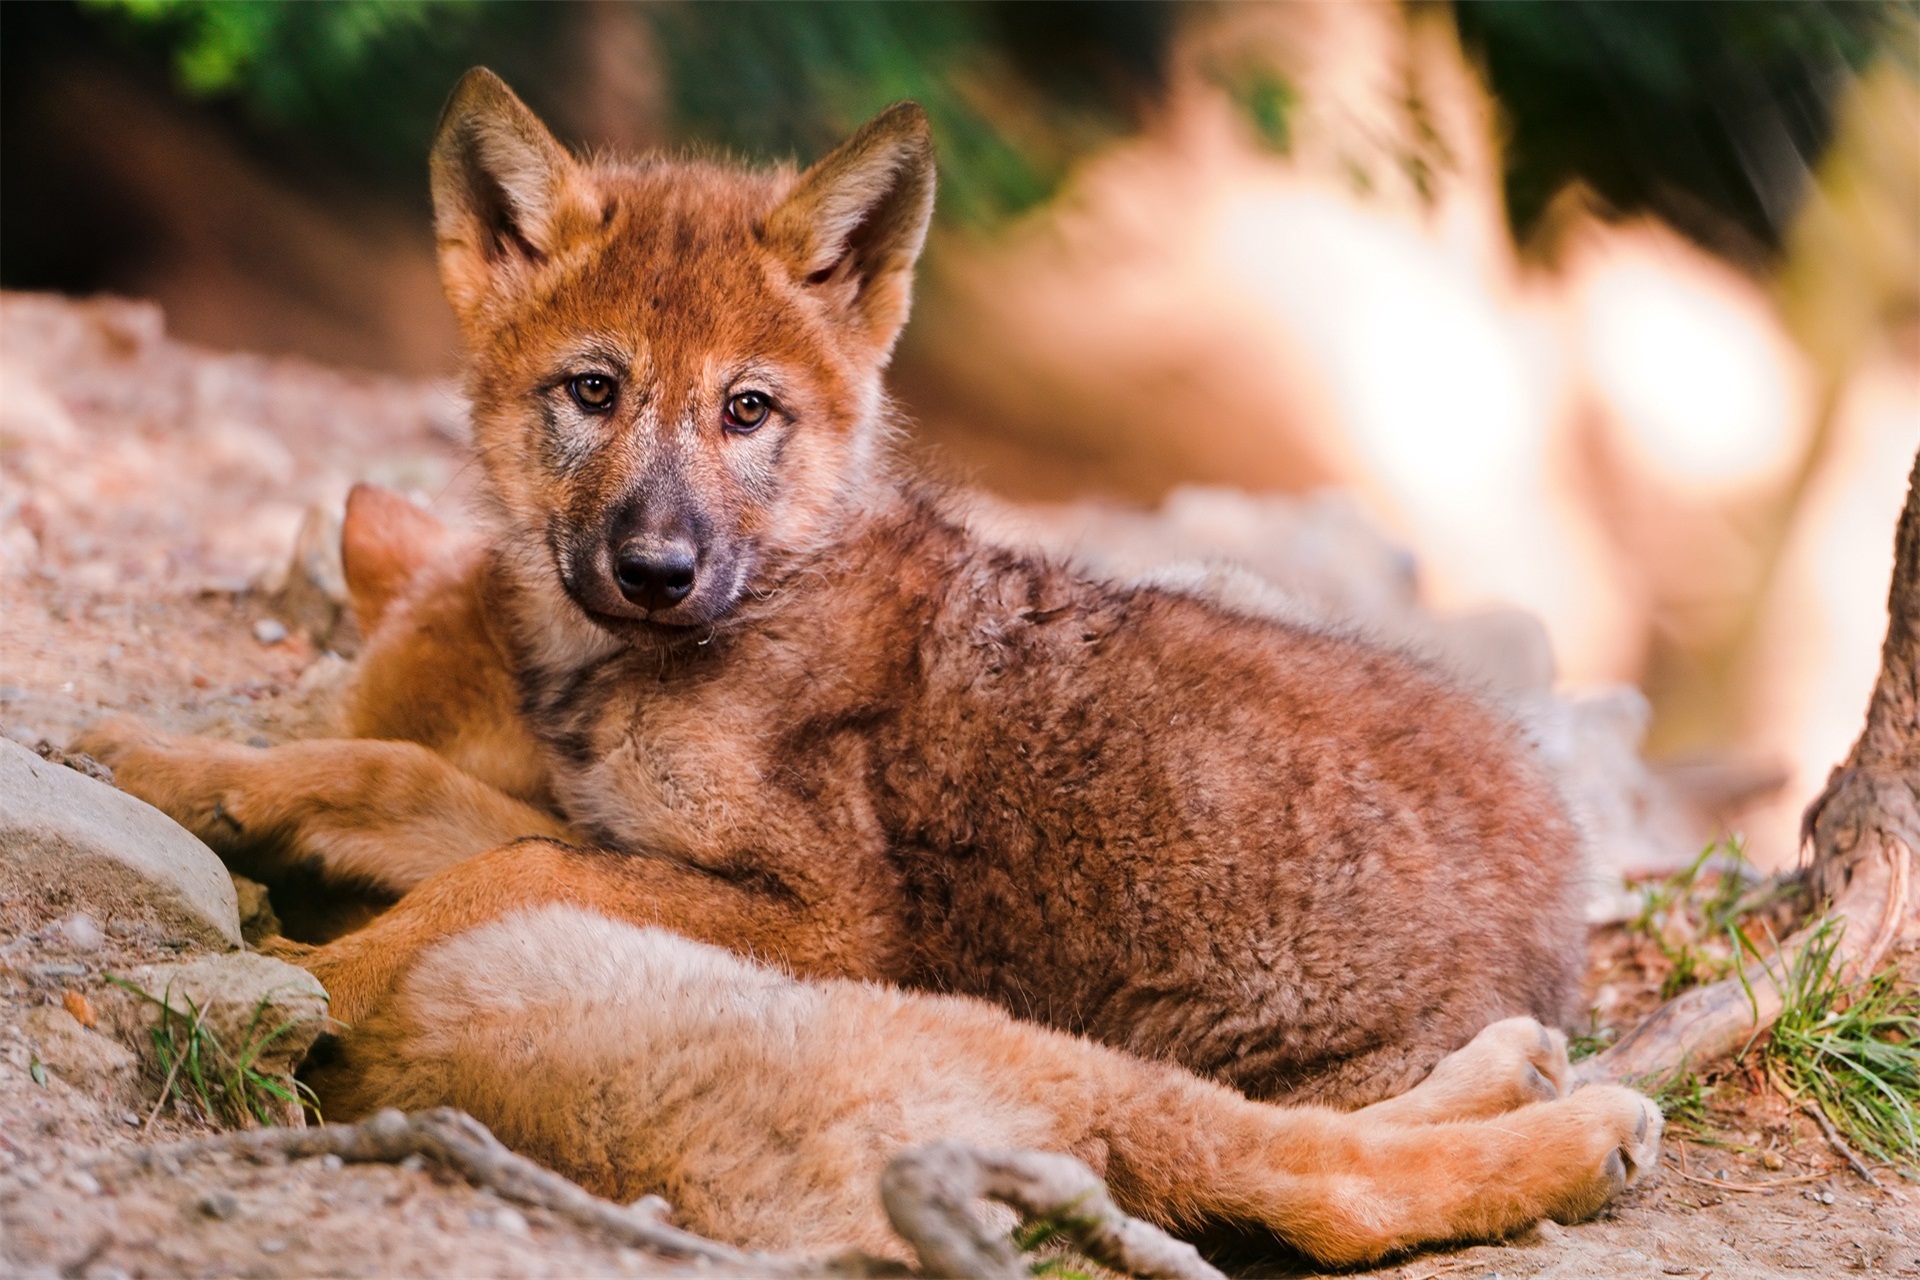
361	814
1510	1064
767	1107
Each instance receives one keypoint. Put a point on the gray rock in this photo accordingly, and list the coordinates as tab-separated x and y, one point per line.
66	839
81	932
218	1203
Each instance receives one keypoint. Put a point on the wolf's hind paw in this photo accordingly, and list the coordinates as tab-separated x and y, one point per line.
1622	1142
1509	1065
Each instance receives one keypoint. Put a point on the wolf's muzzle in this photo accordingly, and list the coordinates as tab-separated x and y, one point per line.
654	575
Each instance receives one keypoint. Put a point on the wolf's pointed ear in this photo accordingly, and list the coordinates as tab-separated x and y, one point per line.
854	223
504	191
385	541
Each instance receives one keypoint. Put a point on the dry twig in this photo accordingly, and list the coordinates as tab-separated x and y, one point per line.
1722	1184
929	1194
1839	1144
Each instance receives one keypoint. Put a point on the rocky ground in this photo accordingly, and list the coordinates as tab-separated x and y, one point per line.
151	497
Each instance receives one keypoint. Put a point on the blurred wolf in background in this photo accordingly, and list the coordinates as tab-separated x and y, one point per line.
723	669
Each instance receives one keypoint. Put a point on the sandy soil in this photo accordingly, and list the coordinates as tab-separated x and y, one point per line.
146	489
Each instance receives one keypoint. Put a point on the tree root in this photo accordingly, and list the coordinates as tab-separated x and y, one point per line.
1862	833
929	1193
461	1143
1876	907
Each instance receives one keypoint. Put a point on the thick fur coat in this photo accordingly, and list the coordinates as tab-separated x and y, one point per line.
719	667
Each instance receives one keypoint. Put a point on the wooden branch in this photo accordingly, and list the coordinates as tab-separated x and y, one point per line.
929	1194
459	1142
1862	834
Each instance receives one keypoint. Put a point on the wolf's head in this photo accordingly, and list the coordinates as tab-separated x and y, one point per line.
675	365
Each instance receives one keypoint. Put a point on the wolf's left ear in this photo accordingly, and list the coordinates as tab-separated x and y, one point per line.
854	223
505	194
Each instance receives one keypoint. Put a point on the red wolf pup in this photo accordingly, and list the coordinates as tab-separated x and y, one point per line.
722	669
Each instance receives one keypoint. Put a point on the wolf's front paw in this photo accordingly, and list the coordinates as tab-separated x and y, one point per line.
185	778
1507	1066
1513	1062
116	740
1617	1142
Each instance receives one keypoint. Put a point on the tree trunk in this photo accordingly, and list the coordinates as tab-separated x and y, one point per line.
1863	834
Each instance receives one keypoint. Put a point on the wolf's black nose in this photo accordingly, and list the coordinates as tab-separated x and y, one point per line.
654	575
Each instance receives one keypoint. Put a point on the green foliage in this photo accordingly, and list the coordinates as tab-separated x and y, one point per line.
1851	1050
274	51
1705	112
199	1073
1038	1233
792	79
1682	1097
1264	98
1691	916
1014	94
1594	1039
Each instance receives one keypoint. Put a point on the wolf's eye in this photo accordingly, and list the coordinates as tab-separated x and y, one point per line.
592	392
746	411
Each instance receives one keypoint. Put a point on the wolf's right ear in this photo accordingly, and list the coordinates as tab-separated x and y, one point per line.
852	227
505	194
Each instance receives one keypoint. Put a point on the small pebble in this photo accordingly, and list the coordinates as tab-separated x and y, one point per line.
1826	1197
1772	1160
129	1119
273	1245
269	631
83	1182
1721	1174
218	1204
511	1221
331	1161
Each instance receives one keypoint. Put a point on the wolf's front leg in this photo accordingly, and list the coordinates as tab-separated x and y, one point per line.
362	814
1349	1188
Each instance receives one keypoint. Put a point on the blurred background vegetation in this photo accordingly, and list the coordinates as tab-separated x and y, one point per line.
1696	110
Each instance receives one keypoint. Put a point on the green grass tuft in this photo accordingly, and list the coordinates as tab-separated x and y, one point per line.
1690	916
199	1073
1853	1050
1037	1233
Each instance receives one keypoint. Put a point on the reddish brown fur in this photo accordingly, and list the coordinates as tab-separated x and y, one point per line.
868	744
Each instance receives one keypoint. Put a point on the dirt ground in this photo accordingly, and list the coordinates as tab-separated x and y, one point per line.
148	494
